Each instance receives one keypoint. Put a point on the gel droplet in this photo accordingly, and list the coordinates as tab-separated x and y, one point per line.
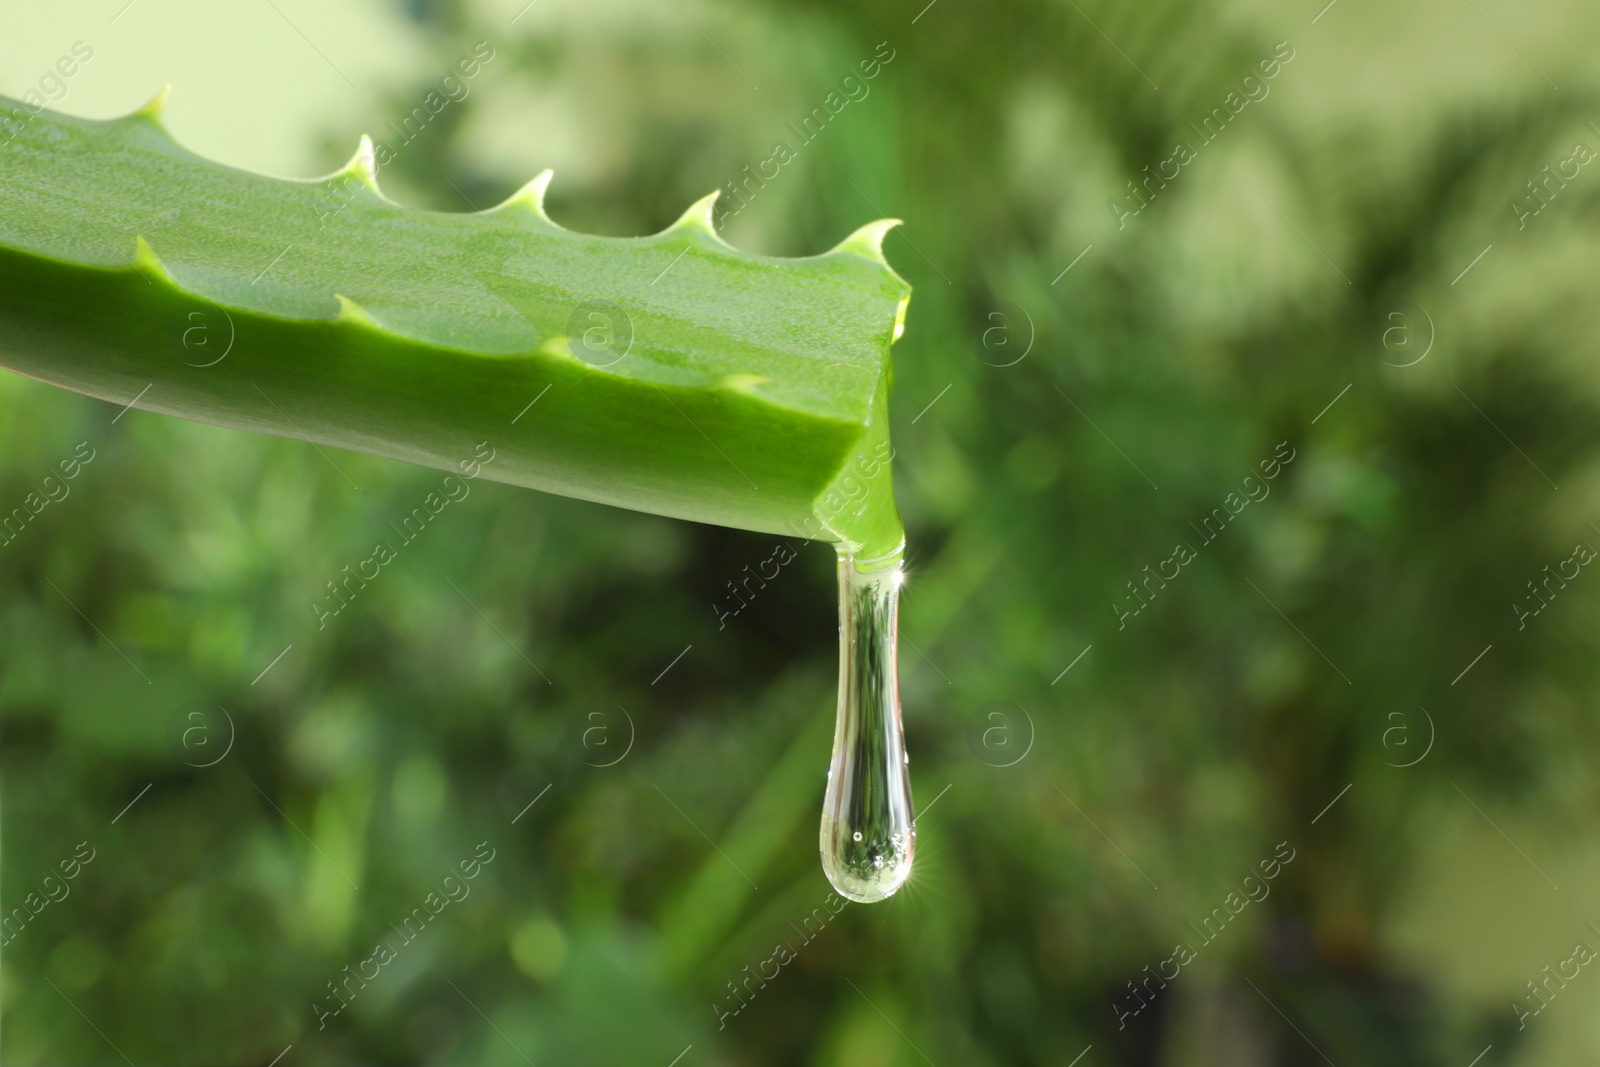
868	838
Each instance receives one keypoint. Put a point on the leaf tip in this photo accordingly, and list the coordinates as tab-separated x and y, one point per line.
155	108
868	240
353	314
363	166
148	263
699	216
741	383
531	195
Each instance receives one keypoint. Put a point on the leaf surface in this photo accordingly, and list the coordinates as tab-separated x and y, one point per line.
671	373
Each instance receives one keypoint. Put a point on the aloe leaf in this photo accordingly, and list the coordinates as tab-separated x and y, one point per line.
670	374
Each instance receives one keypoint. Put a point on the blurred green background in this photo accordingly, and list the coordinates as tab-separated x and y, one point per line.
1351	237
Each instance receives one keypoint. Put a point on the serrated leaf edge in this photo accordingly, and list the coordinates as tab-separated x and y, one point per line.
866	241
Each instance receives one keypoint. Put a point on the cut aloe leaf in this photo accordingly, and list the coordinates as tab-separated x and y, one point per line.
670	374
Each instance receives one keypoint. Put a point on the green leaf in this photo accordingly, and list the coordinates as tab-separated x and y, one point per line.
670	374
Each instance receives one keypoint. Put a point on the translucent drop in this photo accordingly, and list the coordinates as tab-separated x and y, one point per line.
867	838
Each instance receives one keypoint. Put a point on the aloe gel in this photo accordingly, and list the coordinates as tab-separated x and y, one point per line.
868	836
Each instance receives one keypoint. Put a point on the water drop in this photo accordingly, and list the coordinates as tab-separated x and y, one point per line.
867	837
